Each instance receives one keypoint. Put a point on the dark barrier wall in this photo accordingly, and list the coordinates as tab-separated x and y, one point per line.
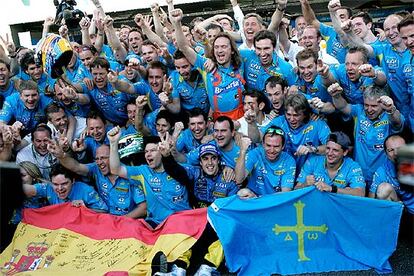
11	197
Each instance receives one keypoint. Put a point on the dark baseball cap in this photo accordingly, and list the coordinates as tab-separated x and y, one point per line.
340	138
208	148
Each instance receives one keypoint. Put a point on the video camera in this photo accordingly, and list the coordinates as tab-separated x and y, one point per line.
66	14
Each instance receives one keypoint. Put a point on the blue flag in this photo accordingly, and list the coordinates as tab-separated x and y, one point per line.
306	231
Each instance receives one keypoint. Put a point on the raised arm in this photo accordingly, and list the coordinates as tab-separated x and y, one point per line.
49	21
335	90
156	18
350	38
277	16
120	85
6	148
170	5
309	14
367	70
144	24
100	36
85	24
238	16
66	160
141	102
283	35
98	6
171	104
113	40
333	7
240	169
116	167
175	17
387	104
64	32
326	74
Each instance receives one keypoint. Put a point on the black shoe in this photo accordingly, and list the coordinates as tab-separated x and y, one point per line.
159	263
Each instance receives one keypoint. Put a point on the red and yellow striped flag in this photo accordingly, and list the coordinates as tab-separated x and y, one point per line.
66	240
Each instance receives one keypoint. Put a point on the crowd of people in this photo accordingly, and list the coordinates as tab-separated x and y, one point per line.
164	116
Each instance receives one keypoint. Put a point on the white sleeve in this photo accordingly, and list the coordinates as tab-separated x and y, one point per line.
294	49
239	16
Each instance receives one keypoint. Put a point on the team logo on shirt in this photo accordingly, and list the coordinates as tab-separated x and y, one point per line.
279	172
176	199
408	70
392	62
218	194
356	170
340	182
125	190
379	147
233	84
365	123
308	129
381	123
155	181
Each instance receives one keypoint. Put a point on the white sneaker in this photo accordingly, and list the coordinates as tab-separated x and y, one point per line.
176	271
205	270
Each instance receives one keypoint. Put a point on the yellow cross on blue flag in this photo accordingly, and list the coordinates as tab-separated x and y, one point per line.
306	231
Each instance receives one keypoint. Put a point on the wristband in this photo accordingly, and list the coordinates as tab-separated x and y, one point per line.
334	189
313	149
392	111
376	75
282	10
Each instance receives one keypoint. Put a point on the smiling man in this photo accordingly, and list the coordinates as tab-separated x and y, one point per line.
108	98
304	137
188	85
37	151
268	168
190	138
64	189
385	183
357	74
374	121
263	62
122	196
27	107
225	85
7	85
32	66
394	57
334	172
224	140
164	195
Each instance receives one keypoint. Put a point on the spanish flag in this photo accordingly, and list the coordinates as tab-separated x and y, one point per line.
66	240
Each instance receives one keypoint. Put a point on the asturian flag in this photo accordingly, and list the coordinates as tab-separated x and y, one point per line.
306	231
66	240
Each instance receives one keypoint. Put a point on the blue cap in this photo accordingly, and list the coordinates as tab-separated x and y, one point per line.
208	148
